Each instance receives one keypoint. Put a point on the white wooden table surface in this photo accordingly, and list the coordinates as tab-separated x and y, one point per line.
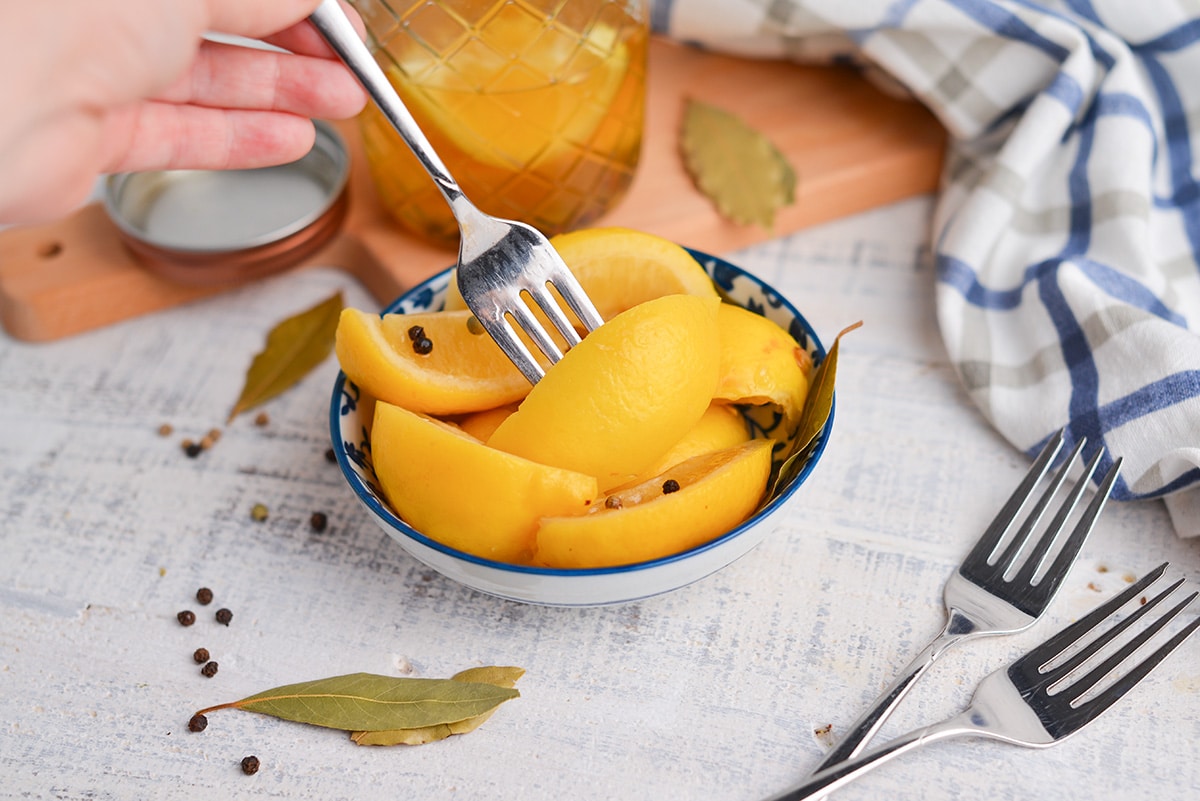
107	529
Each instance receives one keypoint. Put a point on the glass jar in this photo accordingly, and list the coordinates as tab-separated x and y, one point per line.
536	107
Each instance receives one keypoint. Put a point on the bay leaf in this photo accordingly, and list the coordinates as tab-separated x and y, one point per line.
500	676
293	348
369	702
817	408
741	171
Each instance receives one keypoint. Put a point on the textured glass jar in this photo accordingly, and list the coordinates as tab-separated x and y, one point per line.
536	106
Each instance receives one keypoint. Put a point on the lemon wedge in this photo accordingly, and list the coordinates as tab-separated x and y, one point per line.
454	489
619	268
709	495
621	398
761	364
462	372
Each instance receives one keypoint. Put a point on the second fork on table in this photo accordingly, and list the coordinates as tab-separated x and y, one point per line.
1055	689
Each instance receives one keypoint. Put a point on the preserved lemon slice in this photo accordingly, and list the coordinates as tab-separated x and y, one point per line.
481	425
721	427
456	490
711	494
761	363
621	398
619	268
464	371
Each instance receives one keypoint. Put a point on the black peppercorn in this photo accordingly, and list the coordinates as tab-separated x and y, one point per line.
193	449
200	655
224	616
250	765
330	456
669	486
204	596
319	521
186	618
198	723
423	346
209	670
416	332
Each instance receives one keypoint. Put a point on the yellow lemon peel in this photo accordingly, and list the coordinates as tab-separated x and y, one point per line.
716	491
464	372
621	398
456	490
619	268
722	426
761	364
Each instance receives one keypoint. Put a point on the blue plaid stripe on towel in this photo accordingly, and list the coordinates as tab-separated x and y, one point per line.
1067	232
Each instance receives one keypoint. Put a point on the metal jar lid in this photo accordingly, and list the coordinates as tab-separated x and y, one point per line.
205	227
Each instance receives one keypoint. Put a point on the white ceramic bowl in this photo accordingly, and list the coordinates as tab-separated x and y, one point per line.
557	587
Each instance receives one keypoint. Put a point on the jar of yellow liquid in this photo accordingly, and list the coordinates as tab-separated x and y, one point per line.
536	107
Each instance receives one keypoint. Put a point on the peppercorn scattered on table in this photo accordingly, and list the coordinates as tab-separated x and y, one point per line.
732	687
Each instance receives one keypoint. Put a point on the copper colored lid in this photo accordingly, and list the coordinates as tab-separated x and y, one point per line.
205	227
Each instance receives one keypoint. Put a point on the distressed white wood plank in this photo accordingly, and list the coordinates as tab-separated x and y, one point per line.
107	529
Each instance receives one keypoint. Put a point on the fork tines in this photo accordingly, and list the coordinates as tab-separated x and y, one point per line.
522	314
1056	660
526	320
984	567
570	292
540	288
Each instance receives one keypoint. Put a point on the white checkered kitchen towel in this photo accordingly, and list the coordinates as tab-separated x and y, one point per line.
1067	232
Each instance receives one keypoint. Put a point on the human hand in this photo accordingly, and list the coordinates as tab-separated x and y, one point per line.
100	86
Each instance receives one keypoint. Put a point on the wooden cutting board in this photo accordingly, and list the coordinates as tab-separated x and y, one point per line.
853	148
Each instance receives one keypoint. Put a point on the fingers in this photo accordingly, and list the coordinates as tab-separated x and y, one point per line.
259	19
164	136
234	77
303	38
272	21
48	175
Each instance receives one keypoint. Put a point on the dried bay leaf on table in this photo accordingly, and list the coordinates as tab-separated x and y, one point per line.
747	178
500	676
369	702
293	348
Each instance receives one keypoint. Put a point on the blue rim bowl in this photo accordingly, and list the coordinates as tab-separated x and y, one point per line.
579	587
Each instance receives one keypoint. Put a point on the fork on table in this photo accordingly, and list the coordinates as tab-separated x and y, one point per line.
1055	689
984	596
500	262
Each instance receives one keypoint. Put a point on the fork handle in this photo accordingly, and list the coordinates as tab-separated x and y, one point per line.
335	27
838	776
863	729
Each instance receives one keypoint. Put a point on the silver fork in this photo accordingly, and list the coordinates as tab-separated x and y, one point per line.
1049	693
984	597
500	262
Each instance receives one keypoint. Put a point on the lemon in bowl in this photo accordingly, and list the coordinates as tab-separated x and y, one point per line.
645	460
